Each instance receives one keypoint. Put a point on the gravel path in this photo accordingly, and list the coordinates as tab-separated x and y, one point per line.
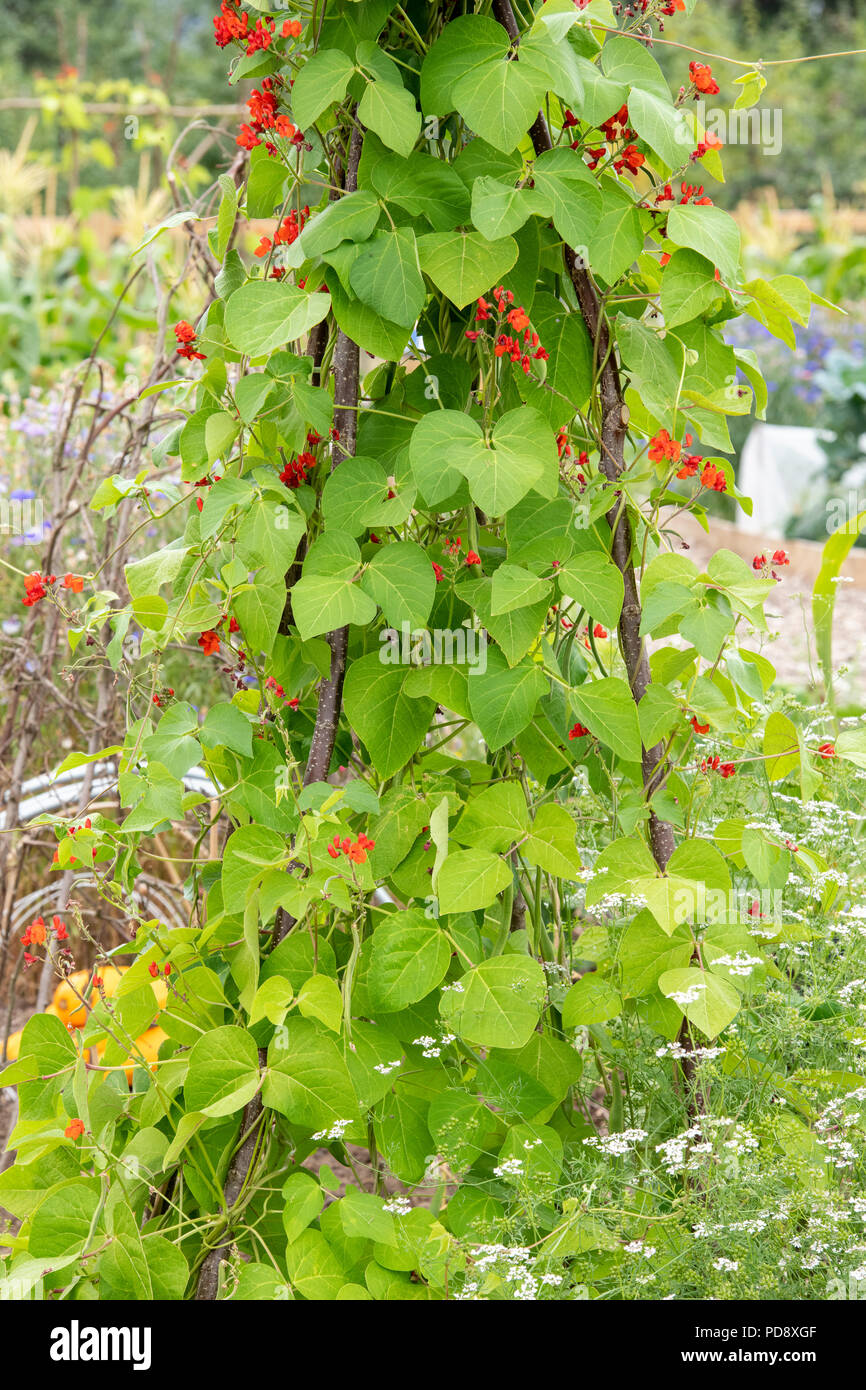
789	610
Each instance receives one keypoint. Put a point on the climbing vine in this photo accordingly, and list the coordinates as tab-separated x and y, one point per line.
438	429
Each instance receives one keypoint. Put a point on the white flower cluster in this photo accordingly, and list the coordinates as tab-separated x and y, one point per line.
678	1052
398	1206
509	1168
512	1263
433	1046
385	1068
741	964
337	1130
684	997
684	1152
616	1145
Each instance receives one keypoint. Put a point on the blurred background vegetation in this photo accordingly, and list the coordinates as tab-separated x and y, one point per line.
96	105
112	114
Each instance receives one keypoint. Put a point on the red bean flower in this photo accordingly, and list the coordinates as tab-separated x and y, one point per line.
35	588
663	447
702	77
187	339
713	478
354	850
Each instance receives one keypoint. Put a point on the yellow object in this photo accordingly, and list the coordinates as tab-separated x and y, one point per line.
13	1045
147	1045
110	975
66	1001
160	989
69	1007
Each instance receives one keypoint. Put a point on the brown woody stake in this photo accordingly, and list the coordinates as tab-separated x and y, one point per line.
346	382
612	463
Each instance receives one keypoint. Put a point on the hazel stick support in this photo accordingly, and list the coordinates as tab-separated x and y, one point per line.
612	463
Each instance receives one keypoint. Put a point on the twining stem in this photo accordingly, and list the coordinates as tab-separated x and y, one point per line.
346	388
615	415
207	1288
346	382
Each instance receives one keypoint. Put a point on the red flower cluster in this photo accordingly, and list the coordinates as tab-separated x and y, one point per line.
73	831
37	935
296	470
713	478
35	587
229	24
186	337
826	750
662	447
616	130
582	463
709	142
202	482
640	7
263	106
699	728
154	970
630	159
355	850
75	1128
691	192
209	642
438	572
665	198
472	558
716	765
271	684
233	25
517	319
264	118
702	79
779	557
579	731
288	231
